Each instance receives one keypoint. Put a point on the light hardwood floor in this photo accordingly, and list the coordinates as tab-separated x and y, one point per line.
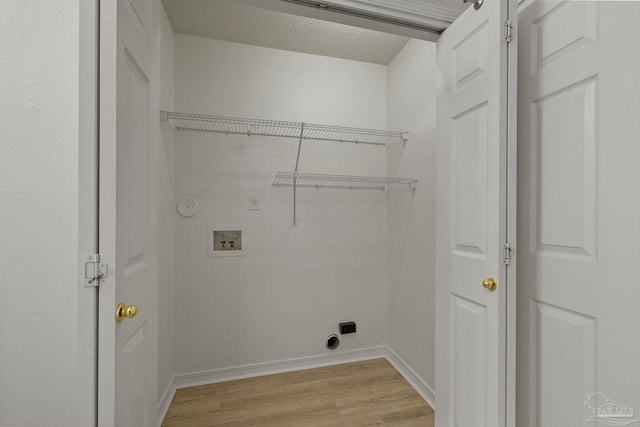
370	393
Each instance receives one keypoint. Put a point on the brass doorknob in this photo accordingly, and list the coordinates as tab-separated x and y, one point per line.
125	311
490	283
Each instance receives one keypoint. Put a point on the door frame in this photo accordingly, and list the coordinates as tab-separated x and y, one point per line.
89	202
88	170
107	101
511	181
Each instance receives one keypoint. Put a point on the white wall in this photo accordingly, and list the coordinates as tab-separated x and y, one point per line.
163	178
41	382
295	284
411	214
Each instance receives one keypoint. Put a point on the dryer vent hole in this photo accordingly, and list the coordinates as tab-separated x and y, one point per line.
333	342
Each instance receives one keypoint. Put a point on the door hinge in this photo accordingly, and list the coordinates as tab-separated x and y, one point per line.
95	270
506	254
507	32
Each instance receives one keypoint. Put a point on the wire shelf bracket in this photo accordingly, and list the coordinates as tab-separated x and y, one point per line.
297	130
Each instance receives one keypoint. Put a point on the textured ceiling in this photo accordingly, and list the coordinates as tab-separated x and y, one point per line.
227	20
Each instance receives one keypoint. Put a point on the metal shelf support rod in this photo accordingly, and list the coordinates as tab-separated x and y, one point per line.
296	171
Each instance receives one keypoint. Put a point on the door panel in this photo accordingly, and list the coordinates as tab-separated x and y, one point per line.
579	211
469	326
131	378
470	57
127	355
564	204
469	189
474	378
575	334
133	162
560	31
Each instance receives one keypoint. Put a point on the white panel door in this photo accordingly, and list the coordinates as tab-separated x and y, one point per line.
579	214
476	149
127	349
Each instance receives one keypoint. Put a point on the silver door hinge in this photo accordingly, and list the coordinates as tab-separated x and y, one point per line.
507	32
506	254
95	270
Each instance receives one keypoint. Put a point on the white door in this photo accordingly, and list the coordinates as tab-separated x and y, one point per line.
579	214
127	351
476	198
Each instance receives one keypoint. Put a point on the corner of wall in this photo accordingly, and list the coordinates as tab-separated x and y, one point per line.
164	403
411	214
420	386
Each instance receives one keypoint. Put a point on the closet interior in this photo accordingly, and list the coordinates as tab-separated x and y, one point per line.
239	125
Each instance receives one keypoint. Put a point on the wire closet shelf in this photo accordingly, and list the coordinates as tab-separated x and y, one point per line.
343	182
258	127
301	132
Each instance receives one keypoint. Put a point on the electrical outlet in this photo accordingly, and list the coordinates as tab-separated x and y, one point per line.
347	327
254	202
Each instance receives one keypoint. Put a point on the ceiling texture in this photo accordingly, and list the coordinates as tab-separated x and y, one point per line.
279	24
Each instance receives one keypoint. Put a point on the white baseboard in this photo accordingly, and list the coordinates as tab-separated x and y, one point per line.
289	365
412	378
276	367
165	400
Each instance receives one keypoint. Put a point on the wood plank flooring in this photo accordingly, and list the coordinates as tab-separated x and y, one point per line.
370	393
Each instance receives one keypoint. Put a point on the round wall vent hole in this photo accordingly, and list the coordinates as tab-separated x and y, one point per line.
333	342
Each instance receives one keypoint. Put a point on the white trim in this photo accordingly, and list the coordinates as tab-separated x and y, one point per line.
418	8
87	215
165	401
410	10
412	378
288	365
523	4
